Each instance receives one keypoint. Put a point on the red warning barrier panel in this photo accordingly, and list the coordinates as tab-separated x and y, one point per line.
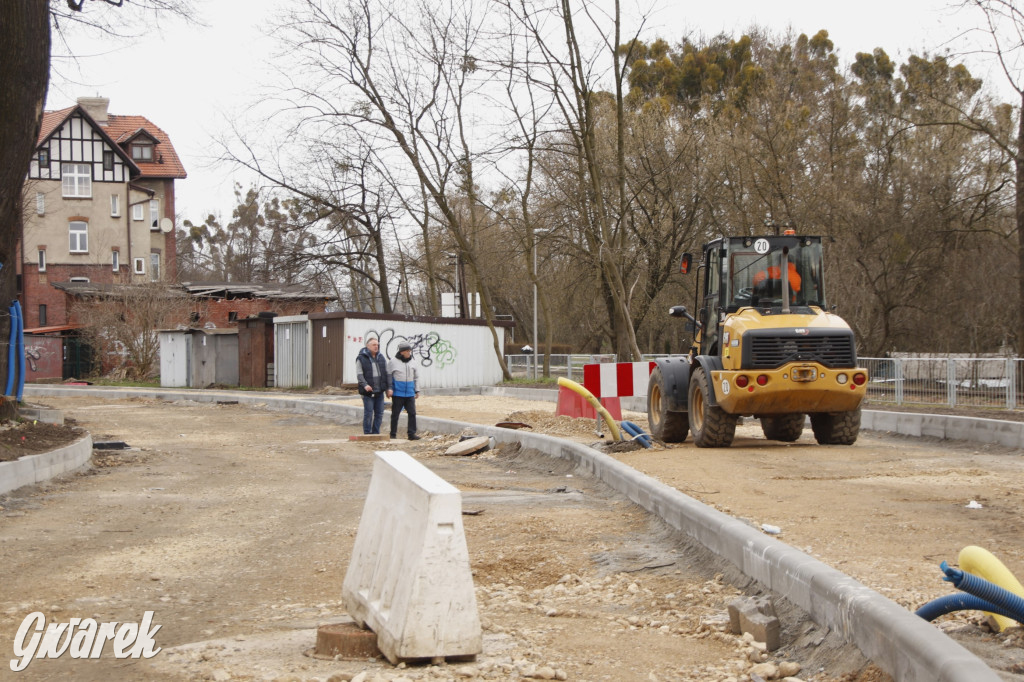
617	379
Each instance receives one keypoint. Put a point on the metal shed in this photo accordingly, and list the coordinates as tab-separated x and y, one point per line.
291	351
256	351
448	352
197	358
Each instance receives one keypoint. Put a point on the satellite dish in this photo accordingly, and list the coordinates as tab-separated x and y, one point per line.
166	225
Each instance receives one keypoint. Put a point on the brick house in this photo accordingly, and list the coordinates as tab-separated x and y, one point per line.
99	207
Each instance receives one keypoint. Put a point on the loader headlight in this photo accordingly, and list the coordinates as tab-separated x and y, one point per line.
842	378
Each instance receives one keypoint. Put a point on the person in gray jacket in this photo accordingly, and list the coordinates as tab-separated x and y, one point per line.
402	389
371	375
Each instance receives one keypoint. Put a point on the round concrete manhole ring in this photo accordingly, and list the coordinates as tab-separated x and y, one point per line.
345	641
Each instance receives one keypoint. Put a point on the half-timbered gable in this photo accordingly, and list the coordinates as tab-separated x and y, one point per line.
74	144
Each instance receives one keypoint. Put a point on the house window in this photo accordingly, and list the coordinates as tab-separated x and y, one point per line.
80	280
79	231
140	266
115	261
40	203
138	212
42	260
44	158
232	316
193	318
154	214
108	161
115	205
142	152
42	315
154	266
76	180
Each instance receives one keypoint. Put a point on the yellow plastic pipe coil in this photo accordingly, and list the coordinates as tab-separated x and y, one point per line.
613	428
984	564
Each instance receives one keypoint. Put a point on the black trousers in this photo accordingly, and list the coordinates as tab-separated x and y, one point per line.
397	404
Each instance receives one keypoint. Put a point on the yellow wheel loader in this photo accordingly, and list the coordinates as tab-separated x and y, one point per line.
766	345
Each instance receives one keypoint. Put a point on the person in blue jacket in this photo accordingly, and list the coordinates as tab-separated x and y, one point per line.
402	390
372	377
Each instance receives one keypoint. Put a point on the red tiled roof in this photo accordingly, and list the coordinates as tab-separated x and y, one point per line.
122	128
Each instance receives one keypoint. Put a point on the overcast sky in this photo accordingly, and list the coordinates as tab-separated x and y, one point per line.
192	80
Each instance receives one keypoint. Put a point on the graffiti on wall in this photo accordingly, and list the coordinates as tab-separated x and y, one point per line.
32	356
429	349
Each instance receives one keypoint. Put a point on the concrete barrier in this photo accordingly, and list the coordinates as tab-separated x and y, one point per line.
409	578
38	468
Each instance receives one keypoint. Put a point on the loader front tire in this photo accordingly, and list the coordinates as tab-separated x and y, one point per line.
712	427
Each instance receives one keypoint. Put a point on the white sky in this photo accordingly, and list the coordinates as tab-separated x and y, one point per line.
193	80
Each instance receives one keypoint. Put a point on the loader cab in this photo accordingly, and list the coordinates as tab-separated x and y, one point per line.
752	272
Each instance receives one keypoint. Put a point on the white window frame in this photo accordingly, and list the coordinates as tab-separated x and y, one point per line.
154	215
76	180
115	205
42	260
80	280
138	212
40	203
140	266
115	260
81	243
154	266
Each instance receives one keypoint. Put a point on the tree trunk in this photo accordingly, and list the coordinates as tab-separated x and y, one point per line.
1019	205
24	61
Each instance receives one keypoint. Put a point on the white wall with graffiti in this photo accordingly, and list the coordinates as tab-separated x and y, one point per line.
447	355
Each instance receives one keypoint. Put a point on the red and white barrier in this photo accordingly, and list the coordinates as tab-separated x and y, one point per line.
617	379
607	381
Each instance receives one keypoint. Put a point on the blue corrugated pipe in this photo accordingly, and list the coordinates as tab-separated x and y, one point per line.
637	433
21	350
12	348
959	602
982	595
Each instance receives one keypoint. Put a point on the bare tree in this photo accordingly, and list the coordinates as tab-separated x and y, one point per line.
122	325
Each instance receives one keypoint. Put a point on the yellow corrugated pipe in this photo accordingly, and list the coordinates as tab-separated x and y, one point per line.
984	564
613	428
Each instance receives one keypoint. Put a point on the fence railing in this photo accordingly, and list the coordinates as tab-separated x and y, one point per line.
950	381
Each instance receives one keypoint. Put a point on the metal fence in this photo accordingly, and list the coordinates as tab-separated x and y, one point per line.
568	366
951	381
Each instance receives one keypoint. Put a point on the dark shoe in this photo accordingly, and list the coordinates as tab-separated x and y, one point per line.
413	436
393	435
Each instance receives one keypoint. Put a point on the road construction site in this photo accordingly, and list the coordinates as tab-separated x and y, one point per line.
232	517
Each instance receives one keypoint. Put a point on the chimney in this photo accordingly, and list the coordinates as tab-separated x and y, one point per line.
96	107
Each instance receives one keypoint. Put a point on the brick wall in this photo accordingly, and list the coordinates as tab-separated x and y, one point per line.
37	290
218	311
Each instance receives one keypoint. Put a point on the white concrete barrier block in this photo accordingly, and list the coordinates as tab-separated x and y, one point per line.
409	578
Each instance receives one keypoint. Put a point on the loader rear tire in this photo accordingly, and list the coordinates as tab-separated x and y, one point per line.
666	426
712	427
786	427
836	428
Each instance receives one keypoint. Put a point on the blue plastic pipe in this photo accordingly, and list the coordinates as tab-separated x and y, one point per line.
960	602
21	350
12	349
989	597
637	433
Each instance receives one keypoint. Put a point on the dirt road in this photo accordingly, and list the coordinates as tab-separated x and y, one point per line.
234	526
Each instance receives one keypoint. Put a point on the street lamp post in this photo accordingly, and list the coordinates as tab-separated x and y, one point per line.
536	341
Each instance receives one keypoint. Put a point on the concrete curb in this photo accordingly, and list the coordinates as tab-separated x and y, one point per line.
38	468
905	646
